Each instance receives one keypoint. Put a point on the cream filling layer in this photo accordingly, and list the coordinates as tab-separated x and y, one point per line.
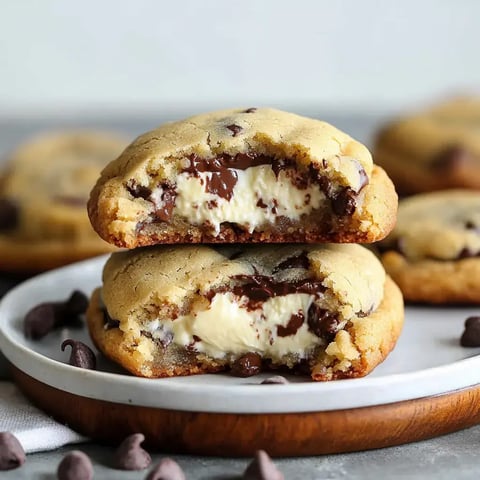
254	185
228	327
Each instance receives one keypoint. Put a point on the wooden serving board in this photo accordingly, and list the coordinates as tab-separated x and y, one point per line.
231	435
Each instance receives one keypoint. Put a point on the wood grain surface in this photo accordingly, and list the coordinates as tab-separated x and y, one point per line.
290	434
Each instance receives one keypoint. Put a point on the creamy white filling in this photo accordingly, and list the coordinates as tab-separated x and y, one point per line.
254	185
228	327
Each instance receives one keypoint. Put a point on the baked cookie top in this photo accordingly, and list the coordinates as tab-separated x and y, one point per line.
441	225
252	168
436	149
46	182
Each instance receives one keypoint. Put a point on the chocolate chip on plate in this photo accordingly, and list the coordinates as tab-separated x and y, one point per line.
130	455
76	465
167	469
262	468
275	380
81	355
471	334
12	454
247	365
44	317
8	214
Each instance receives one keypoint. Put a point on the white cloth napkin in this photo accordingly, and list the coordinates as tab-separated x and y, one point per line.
35	430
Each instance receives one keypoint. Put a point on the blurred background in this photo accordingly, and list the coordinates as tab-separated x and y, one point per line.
131	65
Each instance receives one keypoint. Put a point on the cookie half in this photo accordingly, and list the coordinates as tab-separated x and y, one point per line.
436	149
433	253
327	310
43	197
255	175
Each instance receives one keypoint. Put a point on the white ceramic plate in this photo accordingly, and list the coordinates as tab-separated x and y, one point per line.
427	361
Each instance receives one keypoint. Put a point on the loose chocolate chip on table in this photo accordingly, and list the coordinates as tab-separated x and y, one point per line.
262	468
81	355
44	317
235	129
247	365
130	455
12	454
76	465
471	334
275	380
8	214
167	469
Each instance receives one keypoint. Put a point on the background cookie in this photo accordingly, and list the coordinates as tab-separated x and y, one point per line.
166	311
254	175
433	150
433	252
43	195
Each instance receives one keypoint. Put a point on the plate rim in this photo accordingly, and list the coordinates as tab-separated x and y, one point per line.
232	398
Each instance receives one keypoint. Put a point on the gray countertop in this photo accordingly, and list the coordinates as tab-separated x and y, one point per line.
455	456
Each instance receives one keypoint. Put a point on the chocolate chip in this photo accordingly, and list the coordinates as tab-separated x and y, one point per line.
8	214
467	253
81	355
344	202
451	157
469	225
298	261
44	317
40	320
322	322
76	465
76	304
247	365
137	190
130	455
251	110
275	380
12	454
262	468
164	209
235	129
295	322
167	469
471	334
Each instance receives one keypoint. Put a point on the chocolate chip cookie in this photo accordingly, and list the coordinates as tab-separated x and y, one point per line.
43	195
434	251
328	310
434	150
254	175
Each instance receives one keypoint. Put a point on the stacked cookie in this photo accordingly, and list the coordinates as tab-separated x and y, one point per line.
225	214
433	252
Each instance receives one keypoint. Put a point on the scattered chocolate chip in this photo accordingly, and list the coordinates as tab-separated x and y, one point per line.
8	214
167	469
471	334
451	157
275	380
44	317
262	468
247	365
130	455
322	322
40	320
12	454
76	465
81	355
344	202
235	129
251	110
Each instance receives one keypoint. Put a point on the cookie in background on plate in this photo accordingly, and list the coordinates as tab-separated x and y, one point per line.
250	175
433	253
325	310
44	188
436	149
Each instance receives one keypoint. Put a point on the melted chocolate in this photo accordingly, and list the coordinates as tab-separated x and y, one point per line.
8	214
235	129
138	191
295	322
168	198
322	323
299	261
109	321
